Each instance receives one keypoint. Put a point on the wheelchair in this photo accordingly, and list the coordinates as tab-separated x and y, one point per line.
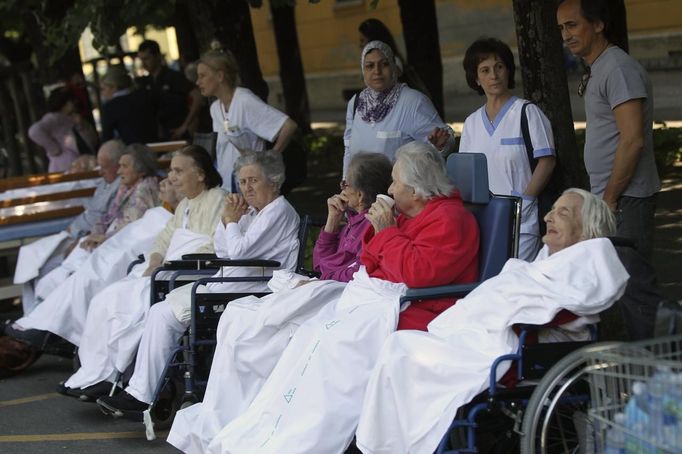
186	372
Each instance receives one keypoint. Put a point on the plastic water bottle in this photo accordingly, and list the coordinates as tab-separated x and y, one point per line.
637	418
615	437
656	418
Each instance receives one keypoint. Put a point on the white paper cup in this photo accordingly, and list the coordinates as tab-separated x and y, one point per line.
386	199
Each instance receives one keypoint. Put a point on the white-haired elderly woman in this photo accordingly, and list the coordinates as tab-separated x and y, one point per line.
387	114
311	401
259	223
412	397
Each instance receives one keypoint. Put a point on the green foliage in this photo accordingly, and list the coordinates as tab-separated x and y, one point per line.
107	19
667	147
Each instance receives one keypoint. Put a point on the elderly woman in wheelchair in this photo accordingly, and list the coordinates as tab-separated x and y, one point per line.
311	400
253	333
258	223
111	307
421	379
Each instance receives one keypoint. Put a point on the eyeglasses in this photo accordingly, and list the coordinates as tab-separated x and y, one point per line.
343	184
582	86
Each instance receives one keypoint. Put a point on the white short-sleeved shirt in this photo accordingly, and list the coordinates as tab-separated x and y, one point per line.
412	118
502	143
250	123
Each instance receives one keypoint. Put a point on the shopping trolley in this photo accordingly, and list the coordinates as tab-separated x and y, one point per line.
636	396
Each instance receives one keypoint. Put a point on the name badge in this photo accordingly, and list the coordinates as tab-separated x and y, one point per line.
388	134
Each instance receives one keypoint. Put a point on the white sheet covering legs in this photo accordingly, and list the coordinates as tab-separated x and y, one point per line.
311	401
162	331
49	282
64	311
421	379
113	329
252	334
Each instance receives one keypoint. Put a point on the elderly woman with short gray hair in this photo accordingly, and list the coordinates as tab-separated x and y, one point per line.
257	223
139	191
311	401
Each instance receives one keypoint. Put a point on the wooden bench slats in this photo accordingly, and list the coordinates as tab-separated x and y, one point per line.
76	193
42	216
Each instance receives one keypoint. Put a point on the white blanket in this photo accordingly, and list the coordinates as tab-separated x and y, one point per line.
116	317
421	379
49	282
252	334
311	401
63	312
33	256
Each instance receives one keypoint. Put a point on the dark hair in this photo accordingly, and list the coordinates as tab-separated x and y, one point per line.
150	46
204	163
596	11
58	99
370	173
375	30
481	49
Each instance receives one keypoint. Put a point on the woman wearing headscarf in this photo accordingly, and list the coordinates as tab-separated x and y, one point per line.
386	114
241	119
495	130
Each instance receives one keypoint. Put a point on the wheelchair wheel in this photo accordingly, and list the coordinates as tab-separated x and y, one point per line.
166	406
555	420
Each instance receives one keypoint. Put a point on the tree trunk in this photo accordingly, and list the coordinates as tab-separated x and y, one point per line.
290	65
618	34
229	21
8	130
188	45
545	83
420	29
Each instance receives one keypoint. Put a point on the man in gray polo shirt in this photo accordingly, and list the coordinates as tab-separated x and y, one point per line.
619	155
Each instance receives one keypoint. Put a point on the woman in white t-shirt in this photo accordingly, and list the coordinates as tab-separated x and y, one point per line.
495	130
241	119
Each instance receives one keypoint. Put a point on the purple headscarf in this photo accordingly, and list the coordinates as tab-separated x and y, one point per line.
373	106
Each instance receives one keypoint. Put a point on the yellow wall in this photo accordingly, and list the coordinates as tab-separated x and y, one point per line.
329	39
652	16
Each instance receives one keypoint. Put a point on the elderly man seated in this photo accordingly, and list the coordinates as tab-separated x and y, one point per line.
312	399
37	259
421	379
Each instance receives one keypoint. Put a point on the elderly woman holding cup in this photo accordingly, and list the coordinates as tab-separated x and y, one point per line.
311	401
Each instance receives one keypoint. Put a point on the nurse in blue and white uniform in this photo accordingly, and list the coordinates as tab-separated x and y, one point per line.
495	130
387	114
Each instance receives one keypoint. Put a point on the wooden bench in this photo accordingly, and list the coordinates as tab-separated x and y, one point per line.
44	179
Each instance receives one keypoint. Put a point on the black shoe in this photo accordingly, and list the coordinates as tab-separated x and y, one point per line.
70	392
94	392
122	404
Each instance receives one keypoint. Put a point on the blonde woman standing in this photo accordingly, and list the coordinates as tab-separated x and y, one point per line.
241	119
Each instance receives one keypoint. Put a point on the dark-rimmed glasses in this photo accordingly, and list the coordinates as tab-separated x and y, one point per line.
582	86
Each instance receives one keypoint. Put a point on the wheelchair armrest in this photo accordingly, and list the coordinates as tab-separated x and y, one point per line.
245	262
192	264
454	291
210	256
